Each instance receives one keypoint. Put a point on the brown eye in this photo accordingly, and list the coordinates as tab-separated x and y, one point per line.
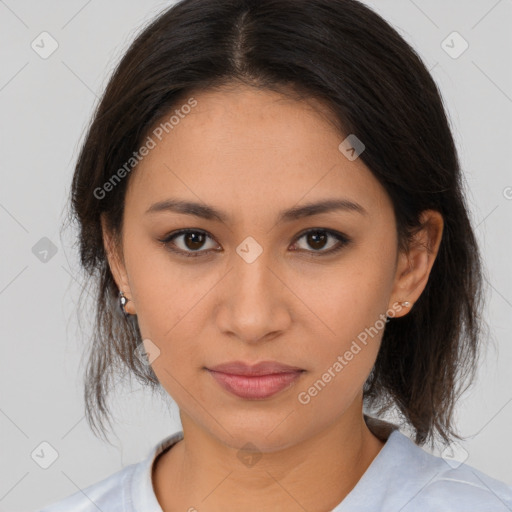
193	240
318	239
188	242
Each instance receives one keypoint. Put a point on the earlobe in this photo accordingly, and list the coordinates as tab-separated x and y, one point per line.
116	266
414	267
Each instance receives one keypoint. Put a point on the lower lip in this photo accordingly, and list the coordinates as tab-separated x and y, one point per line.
257	387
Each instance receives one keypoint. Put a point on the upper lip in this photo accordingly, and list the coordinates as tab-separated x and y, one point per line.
261	368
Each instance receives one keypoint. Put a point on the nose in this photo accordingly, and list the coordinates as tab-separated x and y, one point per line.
256	304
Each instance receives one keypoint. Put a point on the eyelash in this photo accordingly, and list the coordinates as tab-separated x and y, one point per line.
167	242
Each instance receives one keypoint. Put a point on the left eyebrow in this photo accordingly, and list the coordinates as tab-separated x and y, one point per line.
211	213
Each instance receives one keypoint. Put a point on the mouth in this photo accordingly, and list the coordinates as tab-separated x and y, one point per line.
259	381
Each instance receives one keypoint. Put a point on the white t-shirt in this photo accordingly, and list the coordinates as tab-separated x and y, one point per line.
402	478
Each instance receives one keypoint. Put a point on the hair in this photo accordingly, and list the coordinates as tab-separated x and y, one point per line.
374	86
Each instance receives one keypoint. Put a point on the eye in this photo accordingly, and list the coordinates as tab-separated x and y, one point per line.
318	239
192	241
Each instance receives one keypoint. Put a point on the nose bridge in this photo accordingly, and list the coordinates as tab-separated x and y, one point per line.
252	272
254	305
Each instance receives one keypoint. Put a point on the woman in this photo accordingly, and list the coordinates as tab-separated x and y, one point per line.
270	193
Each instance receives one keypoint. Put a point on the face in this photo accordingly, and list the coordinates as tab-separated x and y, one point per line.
257	284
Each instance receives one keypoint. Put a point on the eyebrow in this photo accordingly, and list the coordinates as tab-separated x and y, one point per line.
210	213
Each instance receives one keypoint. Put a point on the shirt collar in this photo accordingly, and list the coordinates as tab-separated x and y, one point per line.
142	493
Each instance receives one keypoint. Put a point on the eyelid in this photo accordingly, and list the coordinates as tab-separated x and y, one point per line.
167	240
342	239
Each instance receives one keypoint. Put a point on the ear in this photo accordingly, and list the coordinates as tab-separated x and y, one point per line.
116	264
414	266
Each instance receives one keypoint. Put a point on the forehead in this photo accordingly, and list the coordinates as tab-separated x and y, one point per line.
250	148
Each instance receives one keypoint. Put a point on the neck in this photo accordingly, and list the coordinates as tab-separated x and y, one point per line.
313	473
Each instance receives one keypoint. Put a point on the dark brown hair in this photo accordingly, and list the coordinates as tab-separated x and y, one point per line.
376	87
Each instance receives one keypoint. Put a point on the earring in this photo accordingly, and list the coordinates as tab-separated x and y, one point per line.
403	304
122	302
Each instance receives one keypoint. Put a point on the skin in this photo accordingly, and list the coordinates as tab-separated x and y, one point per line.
252	153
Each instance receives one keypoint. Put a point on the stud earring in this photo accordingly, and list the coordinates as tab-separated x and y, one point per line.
405	304
122	302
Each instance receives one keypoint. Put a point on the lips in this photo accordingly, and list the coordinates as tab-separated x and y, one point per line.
258	381
261	368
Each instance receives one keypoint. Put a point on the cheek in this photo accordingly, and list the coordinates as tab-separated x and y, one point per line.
343	355
348	296
167	295
349	303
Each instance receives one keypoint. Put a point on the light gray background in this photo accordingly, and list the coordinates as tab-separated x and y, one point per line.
45	107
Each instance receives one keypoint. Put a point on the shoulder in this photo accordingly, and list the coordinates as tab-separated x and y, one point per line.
107	494
433	483
128	490
465	488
